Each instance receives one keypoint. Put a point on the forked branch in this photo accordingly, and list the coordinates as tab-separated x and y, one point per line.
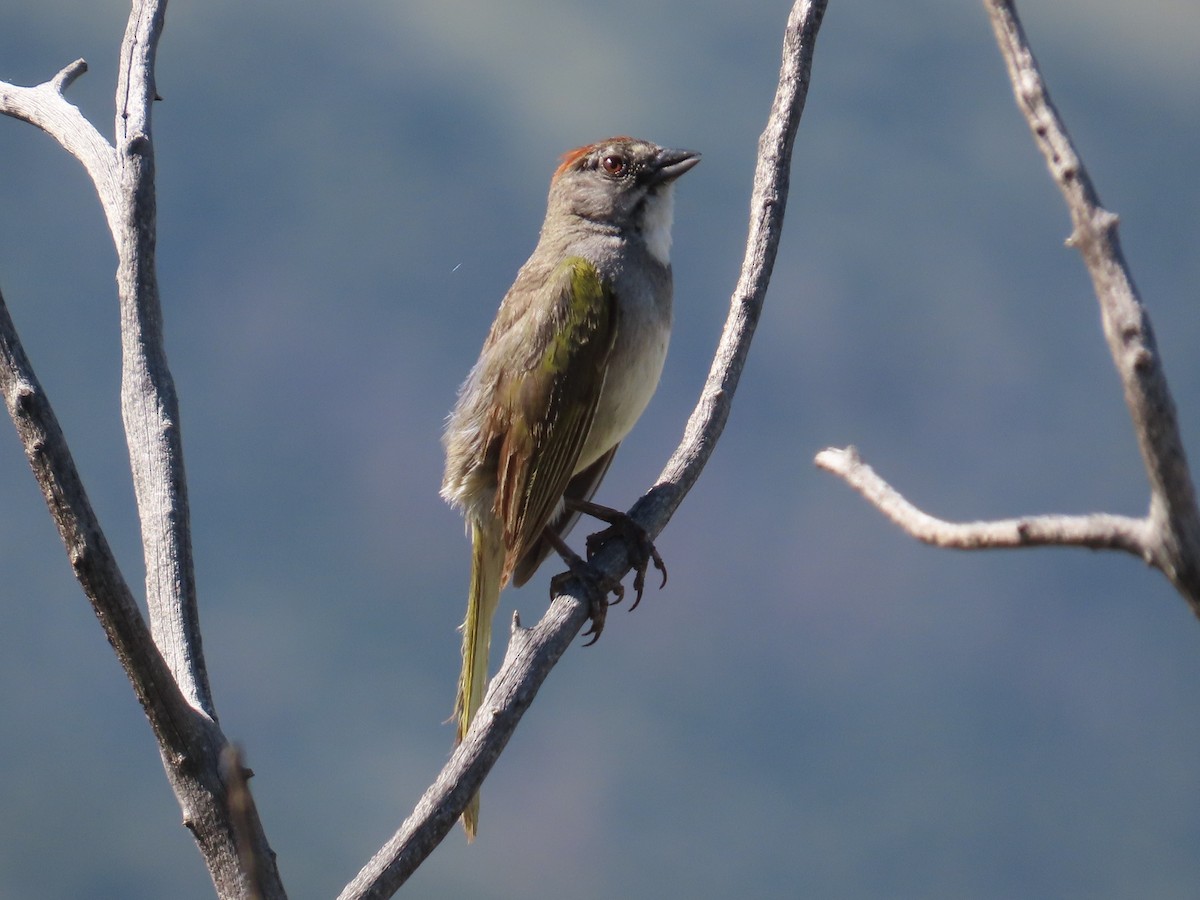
1168	537
164	660
45	107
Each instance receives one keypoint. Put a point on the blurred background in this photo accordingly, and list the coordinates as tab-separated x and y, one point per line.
816	705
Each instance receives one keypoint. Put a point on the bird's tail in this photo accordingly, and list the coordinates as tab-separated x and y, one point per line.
487	562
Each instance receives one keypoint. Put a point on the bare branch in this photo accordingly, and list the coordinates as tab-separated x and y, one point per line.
1169	537
768	202
533	652
149	406
67	75
243	813
1099	531
189	741
164	662
1173	512
46	108
530	656
124	180
91	558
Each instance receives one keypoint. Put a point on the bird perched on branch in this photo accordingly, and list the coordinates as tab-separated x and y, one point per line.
569	365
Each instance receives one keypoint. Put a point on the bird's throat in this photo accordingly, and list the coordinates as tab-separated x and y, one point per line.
657	218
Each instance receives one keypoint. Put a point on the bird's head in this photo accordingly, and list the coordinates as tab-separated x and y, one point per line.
623	183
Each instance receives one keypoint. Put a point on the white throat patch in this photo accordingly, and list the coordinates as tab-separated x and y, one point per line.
658	217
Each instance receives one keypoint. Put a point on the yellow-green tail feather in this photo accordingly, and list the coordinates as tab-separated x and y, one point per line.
487	561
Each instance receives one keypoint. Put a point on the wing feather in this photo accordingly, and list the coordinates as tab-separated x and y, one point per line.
545	411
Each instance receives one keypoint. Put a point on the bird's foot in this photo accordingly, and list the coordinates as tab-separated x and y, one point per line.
599	586
620	526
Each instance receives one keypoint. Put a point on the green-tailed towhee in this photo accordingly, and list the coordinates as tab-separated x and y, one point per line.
569	365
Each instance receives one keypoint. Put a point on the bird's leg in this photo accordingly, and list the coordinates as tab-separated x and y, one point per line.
621	526
578	568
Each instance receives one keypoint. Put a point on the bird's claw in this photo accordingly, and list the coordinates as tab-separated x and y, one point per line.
644	553
620	527
597	612
598	590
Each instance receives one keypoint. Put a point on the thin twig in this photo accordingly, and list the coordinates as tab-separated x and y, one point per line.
1099	531
1168	538
45	107
533	652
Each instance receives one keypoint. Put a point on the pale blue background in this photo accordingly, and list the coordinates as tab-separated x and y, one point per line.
816	705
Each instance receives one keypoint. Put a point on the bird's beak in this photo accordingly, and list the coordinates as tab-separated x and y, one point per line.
670	164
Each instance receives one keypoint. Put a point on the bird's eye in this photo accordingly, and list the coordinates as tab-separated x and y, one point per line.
614	164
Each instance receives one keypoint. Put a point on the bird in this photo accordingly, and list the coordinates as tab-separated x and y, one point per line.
570	363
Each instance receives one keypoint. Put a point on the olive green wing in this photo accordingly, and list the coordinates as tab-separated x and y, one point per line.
549	404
